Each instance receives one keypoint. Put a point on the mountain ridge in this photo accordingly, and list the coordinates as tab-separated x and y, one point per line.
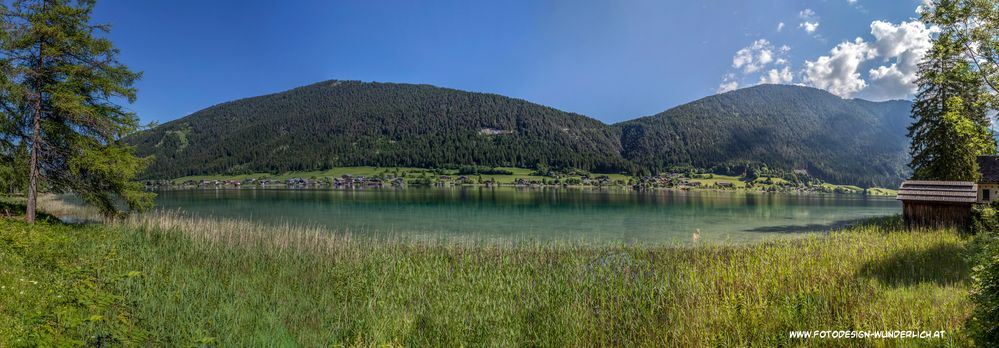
783	126
345	123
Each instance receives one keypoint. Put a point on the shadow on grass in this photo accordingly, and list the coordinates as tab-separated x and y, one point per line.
942	264
16	210
806	228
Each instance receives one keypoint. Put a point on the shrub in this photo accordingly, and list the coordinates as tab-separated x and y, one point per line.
984	220
984	322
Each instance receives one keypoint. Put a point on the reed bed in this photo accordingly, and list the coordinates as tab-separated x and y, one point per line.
244	284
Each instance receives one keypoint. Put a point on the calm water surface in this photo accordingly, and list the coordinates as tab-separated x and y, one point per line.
544	214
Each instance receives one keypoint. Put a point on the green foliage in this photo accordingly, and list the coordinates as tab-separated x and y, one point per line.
14	169
475	170
984	322
101	175
58	287
984	220
966	141
975	23
950	122
60	79
778	127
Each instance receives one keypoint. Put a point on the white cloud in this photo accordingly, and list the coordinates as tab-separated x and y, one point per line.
851	2
756	56
780	26
882	67
810	27
809	21
887	82
837	72
893	40
774	76
899	47
728	84
907	43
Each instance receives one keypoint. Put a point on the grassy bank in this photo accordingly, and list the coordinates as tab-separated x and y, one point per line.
59	286
172	280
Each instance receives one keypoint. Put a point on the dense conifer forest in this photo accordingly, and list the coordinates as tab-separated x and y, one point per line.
781	127
346	123
350	123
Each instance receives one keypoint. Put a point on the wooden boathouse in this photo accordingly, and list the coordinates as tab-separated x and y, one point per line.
937	203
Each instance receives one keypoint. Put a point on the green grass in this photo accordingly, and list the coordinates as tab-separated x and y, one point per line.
775	180
715	178
843	187
170	281
882	191
59	287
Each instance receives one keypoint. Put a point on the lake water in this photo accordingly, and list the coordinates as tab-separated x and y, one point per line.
542	214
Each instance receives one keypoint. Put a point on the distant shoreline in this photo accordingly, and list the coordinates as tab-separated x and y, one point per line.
879	193
348	177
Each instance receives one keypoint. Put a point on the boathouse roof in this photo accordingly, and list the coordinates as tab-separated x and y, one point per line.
938	191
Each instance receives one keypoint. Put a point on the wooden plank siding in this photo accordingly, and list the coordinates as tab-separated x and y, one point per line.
931	204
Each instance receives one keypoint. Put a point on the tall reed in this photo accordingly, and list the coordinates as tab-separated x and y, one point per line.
243	283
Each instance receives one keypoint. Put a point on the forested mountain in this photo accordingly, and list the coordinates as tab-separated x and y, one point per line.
787	127
349	123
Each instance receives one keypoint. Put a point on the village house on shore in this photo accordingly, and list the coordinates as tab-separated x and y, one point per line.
988	183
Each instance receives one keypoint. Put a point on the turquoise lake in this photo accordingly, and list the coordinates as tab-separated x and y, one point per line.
539	214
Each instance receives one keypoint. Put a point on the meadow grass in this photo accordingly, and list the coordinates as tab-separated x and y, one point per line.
59	286
170	280
736	181
245	284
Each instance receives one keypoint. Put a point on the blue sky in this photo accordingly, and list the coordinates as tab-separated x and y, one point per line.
612	60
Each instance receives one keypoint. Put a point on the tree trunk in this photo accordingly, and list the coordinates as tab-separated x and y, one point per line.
36	136
33	176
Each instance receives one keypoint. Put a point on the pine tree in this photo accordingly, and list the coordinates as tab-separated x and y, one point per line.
59	84
950	121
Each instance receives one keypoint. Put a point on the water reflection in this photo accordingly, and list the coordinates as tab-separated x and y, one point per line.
619	215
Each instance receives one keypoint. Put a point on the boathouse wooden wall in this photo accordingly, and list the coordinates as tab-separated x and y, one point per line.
936	214
931	204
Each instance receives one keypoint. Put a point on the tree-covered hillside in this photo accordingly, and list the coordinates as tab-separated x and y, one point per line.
349	123
784	127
